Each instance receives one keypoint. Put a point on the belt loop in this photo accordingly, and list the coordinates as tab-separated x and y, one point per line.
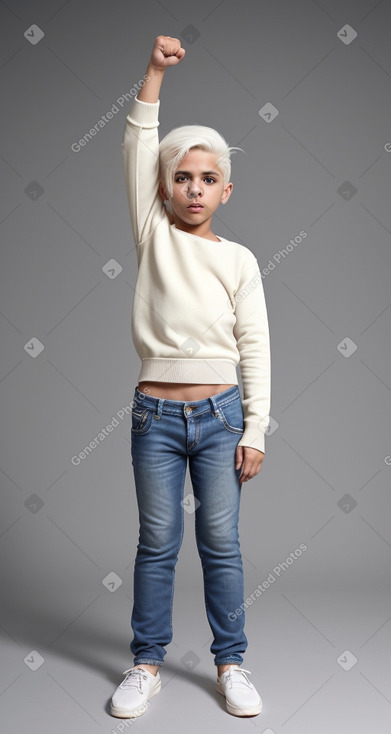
159	408
213	403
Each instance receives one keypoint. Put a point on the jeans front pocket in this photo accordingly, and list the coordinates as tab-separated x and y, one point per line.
141	420
231	416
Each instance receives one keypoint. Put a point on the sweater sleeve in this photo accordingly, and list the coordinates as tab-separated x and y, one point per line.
140	156
251	332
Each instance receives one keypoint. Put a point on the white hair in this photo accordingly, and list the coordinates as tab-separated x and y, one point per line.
177	143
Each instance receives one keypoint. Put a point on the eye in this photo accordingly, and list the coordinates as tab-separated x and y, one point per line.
181	178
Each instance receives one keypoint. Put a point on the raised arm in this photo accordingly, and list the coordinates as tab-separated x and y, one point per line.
166	52
140	146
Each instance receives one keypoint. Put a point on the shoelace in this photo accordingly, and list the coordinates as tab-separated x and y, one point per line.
134	678
244	681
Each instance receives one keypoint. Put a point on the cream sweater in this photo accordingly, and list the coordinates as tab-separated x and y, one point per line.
199	306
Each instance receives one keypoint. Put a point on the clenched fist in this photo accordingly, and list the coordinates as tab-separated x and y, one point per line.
166	52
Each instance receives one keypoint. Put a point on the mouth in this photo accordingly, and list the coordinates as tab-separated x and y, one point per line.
195	207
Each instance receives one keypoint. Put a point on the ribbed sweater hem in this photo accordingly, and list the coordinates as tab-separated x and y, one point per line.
198	371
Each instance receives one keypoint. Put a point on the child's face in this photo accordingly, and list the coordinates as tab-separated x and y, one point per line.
198	180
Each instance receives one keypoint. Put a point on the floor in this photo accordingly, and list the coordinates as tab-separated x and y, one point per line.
320	662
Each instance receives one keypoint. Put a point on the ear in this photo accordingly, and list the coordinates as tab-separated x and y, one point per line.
162	191
227	191
164	197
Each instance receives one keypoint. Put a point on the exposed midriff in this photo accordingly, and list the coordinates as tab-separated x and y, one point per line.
180	390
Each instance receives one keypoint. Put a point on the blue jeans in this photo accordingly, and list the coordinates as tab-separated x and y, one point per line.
163	434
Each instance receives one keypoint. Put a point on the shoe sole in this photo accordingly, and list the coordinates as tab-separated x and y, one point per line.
122	713
237	710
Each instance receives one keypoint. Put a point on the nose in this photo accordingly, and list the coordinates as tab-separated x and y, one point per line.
193	190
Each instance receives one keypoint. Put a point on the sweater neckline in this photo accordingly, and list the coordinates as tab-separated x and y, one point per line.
197	236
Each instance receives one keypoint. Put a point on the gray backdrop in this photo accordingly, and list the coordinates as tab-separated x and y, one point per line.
304	88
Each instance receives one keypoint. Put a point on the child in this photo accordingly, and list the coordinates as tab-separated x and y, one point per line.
198	309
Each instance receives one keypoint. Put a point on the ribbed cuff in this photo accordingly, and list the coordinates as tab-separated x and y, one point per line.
253	436
144	114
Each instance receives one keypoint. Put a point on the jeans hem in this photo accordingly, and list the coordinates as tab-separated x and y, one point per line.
147	661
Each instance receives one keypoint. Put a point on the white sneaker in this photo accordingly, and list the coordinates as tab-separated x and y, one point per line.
242	699
132	696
